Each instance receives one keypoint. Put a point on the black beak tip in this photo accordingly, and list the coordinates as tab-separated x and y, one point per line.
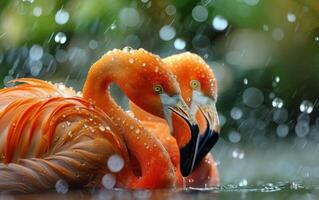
188	153
198	147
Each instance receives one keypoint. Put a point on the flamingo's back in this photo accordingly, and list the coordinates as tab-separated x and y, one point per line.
47	134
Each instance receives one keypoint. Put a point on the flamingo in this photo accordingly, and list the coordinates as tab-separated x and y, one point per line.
199	90
49	133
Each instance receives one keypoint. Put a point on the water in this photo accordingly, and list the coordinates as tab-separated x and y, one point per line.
279	190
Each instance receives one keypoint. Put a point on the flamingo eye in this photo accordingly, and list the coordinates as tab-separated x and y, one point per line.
158	89
194	84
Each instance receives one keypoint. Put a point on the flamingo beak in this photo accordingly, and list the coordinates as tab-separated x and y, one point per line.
188	152
210	136
200	144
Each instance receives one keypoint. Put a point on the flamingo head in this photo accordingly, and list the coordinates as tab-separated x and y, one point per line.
150	85
199	88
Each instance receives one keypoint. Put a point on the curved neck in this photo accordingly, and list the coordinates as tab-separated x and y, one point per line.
116	67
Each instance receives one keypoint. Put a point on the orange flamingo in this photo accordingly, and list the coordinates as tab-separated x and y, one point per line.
48	133
199	89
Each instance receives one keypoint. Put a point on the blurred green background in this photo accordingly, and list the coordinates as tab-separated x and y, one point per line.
265	54
268	45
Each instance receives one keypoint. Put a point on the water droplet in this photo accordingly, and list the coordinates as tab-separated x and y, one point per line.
306	106
61	186
108	181
277	102
302	128
277	79
199	13
234	136
62	17
219	23
280	116
129	17
238	154
102	128
115	163
167	33
282	130
245	81
278	34
37	11
36	52
60	37
179	44
236	113
291	17
253	97
170	10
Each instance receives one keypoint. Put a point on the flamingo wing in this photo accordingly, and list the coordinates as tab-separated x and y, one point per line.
49	134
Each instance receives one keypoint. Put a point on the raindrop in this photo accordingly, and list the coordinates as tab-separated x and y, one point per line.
277	79
277	102
61	186
36	68
245	81
102	128
291	17
238	154
280	116
236	113
61	56
302	128
115	163
253	97
179	44
36	52
317	38
234	136
129	17
282	130
306	106
60	37
265	27
62	17
108	181
37	11
170	10
199	13
219	23
278	34
93	44
113	26
167	33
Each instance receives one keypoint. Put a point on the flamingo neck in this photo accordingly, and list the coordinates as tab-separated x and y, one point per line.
143	145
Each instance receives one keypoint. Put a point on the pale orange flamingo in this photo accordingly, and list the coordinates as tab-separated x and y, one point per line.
199	90
48	133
